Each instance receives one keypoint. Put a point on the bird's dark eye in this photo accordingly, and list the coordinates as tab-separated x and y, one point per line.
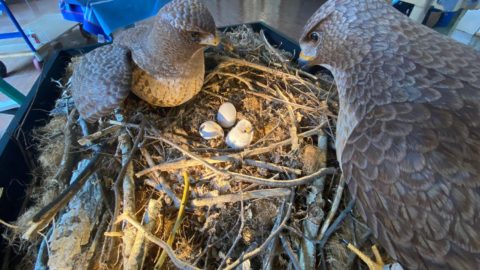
195	36
314	36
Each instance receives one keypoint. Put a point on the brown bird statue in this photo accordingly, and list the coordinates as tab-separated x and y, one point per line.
408	130
160	59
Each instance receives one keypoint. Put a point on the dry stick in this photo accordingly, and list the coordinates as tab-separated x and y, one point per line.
228	61
272	236
160	183
271	166
139	248
269	250
334	208
251	91
46	214
188	153
168	166
270	98
128	188
6	224
96	256
88	139
291	254
311	224
64	170
250	195
240	230
118	183
241	79
282	183
171	254
42	259
293	122
251	179
178	221
336	223
272	50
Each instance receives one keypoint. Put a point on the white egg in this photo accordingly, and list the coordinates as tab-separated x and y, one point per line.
227	115
241	135
211	130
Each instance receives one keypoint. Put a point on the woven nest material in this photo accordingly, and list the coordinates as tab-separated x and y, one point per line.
258	207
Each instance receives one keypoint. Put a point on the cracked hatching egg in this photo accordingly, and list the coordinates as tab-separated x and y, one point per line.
211	130
241	135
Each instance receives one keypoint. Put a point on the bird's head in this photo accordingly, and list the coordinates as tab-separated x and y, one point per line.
329	34
191	24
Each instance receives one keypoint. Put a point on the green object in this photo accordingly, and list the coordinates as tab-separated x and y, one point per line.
11	92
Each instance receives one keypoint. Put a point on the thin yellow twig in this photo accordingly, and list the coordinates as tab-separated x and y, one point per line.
170	239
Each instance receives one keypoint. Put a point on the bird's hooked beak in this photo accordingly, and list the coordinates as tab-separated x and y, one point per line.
210	39
304	59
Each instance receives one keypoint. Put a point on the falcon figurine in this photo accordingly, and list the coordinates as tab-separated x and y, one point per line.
408	130
160	60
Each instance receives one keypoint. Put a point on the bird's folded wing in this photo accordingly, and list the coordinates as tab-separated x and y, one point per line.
101	81
415	169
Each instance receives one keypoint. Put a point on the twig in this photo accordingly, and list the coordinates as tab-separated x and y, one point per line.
293	121
46	214
271	237
6	224
41	261
241	177
126	159
140	247
64	171
171	254
272	167
291	254
185	152
283	183
171	166
88	139
249	195
97	240
336	223
269	250
241	79
160	183
239	234
334	208
286	102
178	221
227	61
128	188
314	201
272	50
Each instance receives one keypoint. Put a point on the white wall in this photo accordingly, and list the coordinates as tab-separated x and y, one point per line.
470	23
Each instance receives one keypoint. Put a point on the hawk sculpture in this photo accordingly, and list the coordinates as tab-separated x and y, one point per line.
161	60
408	130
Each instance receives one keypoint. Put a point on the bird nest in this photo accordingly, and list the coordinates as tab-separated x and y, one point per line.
148	191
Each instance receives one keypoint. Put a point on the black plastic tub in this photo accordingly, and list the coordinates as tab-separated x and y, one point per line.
17	160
